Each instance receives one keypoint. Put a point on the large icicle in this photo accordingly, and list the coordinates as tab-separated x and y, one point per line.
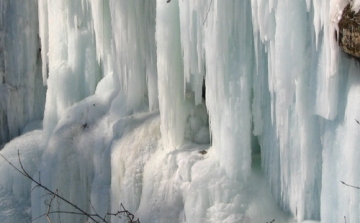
133	25
272	71
287	129
226	50
72	61
171	77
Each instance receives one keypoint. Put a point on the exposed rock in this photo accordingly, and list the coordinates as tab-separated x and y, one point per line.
349	32
203	152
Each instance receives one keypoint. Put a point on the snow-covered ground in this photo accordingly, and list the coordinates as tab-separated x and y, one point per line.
124	120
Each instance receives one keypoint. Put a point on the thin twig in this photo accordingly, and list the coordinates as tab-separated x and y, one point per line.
62	212
49	208
130	217
12	165
207	12
25	173
92	207
125	212
58	208
350	185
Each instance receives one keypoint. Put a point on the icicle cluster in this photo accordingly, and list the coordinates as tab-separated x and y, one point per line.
125	120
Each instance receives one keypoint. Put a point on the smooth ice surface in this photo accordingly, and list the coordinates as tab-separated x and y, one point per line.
187	111
15	205
22	95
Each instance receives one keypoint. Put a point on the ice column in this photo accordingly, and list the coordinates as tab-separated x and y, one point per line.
192	16
229	69
133	24
73	69
173	110
217	42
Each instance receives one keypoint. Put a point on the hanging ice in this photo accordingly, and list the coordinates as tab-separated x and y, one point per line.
125	120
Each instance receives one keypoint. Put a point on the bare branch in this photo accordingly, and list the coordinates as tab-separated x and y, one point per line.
12	165
207	12
125	212
96	214
49	209
24	173
96	218
350	185
62	212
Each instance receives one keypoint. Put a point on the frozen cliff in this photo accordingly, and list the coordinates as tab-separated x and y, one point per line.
22	94
125	121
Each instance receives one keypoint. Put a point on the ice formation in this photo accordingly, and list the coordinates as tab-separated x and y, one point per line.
22	94
124	120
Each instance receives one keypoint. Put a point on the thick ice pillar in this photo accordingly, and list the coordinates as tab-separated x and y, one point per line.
173	110
71	58
229	70
217	42
133	25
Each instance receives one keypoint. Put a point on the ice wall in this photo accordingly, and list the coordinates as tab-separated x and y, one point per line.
88	43
69	56
14	190
288	129
22	96
307	78
274	77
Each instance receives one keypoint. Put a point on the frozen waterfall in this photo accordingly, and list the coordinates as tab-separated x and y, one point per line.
104	101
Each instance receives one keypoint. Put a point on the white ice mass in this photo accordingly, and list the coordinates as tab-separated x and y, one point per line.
104	101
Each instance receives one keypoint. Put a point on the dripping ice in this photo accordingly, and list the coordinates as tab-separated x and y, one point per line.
106	98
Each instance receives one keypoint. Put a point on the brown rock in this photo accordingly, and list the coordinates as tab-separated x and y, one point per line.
349	32
202	152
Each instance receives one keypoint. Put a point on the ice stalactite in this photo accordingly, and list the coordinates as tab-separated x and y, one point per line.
272	71
283	108
95	29
307	80
171	83
134	52
229	70
221	52
71	56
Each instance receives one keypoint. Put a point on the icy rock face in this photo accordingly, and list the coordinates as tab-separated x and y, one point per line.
349	28
87	44
283	108
301	128
22	96
274	77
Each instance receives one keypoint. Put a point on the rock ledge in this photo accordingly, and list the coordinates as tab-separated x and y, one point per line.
349	32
